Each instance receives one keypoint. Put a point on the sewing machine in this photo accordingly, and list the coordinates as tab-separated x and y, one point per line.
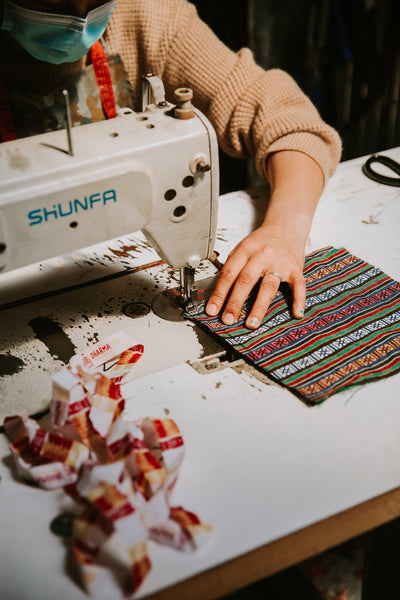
155	171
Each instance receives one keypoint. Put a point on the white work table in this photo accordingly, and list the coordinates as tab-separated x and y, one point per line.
278	480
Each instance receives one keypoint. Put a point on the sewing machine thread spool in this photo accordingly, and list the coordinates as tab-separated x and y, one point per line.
184	107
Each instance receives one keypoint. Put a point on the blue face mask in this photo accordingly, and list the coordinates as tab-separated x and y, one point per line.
55	38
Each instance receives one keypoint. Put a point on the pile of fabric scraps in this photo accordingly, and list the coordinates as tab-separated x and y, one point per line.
120	473
350	333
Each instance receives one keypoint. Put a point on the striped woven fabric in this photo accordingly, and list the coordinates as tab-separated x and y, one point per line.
350	333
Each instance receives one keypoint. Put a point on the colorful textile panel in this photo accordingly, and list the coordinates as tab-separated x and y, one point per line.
350	333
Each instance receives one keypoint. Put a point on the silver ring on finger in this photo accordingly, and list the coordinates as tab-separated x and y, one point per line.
276	275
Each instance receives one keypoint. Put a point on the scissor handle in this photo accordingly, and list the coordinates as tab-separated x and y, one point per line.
375	176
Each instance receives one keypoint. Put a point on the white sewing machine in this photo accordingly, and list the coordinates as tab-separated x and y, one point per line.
155	171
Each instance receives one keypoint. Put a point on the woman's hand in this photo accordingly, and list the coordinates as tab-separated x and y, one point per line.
261	254
274	251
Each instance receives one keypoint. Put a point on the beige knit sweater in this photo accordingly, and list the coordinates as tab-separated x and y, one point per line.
254	112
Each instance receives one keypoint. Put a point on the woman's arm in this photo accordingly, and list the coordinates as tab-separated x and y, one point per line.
277	246
258	113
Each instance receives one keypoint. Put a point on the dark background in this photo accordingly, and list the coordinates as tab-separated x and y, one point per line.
343	54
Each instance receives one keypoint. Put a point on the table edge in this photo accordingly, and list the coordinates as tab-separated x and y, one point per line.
286	551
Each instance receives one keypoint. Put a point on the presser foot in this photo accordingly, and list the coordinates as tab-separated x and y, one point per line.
172	303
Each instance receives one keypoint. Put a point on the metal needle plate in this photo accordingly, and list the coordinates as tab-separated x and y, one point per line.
168	304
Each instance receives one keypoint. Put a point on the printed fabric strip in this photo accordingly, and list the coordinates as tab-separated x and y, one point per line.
120	473
349	335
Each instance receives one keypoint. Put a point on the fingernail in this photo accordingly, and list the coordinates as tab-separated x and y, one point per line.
211	309
301	311
228	319
254	322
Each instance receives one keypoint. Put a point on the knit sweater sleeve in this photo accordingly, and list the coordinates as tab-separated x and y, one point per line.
254	112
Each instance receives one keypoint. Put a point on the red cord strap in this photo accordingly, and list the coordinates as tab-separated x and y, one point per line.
103	78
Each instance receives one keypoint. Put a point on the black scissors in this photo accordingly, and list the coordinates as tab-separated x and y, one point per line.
375	176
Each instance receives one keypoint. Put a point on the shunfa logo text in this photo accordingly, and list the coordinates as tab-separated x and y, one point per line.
58	211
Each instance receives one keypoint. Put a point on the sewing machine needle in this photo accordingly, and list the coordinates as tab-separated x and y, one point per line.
68	122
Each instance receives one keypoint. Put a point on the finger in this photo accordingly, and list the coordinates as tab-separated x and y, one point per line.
266	293
225	281
298	286
244	283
